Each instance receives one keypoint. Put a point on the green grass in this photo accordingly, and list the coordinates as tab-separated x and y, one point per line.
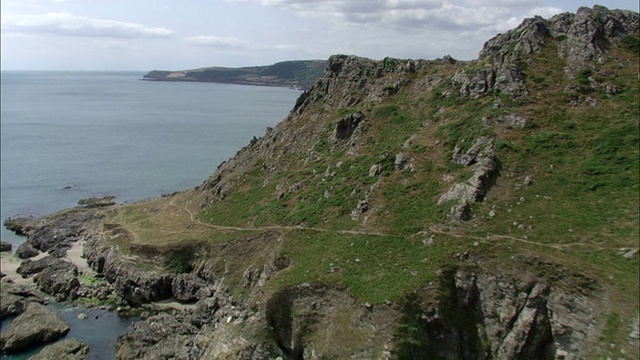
374	268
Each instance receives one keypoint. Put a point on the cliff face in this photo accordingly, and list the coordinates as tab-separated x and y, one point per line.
411	209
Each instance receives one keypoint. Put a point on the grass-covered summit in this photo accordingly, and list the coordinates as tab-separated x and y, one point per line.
418	209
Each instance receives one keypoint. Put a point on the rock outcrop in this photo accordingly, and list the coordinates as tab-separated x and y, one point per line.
14	298
481	157
26	251
68	349
35	326
507	316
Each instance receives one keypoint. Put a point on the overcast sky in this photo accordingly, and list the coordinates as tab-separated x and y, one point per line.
183	34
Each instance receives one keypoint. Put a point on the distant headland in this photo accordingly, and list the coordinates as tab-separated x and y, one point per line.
301	74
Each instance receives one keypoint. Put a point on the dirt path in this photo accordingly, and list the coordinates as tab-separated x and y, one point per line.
275	227
488	238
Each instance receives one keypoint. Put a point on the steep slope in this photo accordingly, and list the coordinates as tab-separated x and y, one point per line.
411	209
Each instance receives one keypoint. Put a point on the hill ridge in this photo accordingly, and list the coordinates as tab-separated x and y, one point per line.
293	73
410	209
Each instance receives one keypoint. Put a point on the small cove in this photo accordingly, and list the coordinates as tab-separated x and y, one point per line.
72	135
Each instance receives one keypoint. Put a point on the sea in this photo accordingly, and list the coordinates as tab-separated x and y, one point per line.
66	136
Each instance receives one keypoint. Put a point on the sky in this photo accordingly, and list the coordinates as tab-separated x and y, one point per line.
144	35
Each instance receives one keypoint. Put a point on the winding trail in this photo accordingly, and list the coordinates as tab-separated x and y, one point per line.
276	227
487	238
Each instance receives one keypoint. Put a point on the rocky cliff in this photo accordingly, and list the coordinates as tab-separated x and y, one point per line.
407	209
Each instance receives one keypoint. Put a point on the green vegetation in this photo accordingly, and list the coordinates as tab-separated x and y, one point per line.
631	43
382	234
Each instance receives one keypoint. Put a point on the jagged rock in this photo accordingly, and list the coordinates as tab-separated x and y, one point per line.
26	251
5	246
135	285
361	207
229	343
375	170
14	298
188	288
515	121
482	148
486	166
60	229
59	280
460	212
68	349
30	267
93	202
347	125
35	326
302	321
530	334
19	225
401	162
160	336
250	276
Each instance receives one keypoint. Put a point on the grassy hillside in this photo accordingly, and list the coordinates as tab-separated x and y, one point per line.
362	210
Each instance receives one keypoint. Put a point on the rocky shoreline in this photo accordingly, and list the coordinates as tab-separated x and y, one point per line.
193	315
96	272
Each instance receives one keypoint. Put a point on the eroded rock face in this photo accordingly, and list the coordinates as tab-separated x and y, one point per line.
309	322
481	157
135	285
189	288
69	349
505	316
160	336
347	125
35	326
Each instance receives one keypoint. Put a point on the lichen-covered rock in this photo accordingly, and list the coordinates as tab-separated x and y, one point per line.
35	326
68	349
485	164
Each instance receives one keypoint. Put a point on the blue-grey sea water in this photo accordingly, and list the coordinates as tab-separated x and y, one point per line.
71	135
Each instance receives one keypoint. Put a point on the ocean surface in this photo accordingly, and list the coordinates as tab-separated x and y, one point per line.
72	135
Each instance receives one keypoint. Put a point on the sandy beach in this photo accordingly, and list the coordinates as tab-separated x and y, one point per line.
9	263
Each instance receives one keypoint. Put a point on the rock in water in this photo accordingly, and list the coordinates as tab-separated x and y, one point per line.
70	349
37	325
